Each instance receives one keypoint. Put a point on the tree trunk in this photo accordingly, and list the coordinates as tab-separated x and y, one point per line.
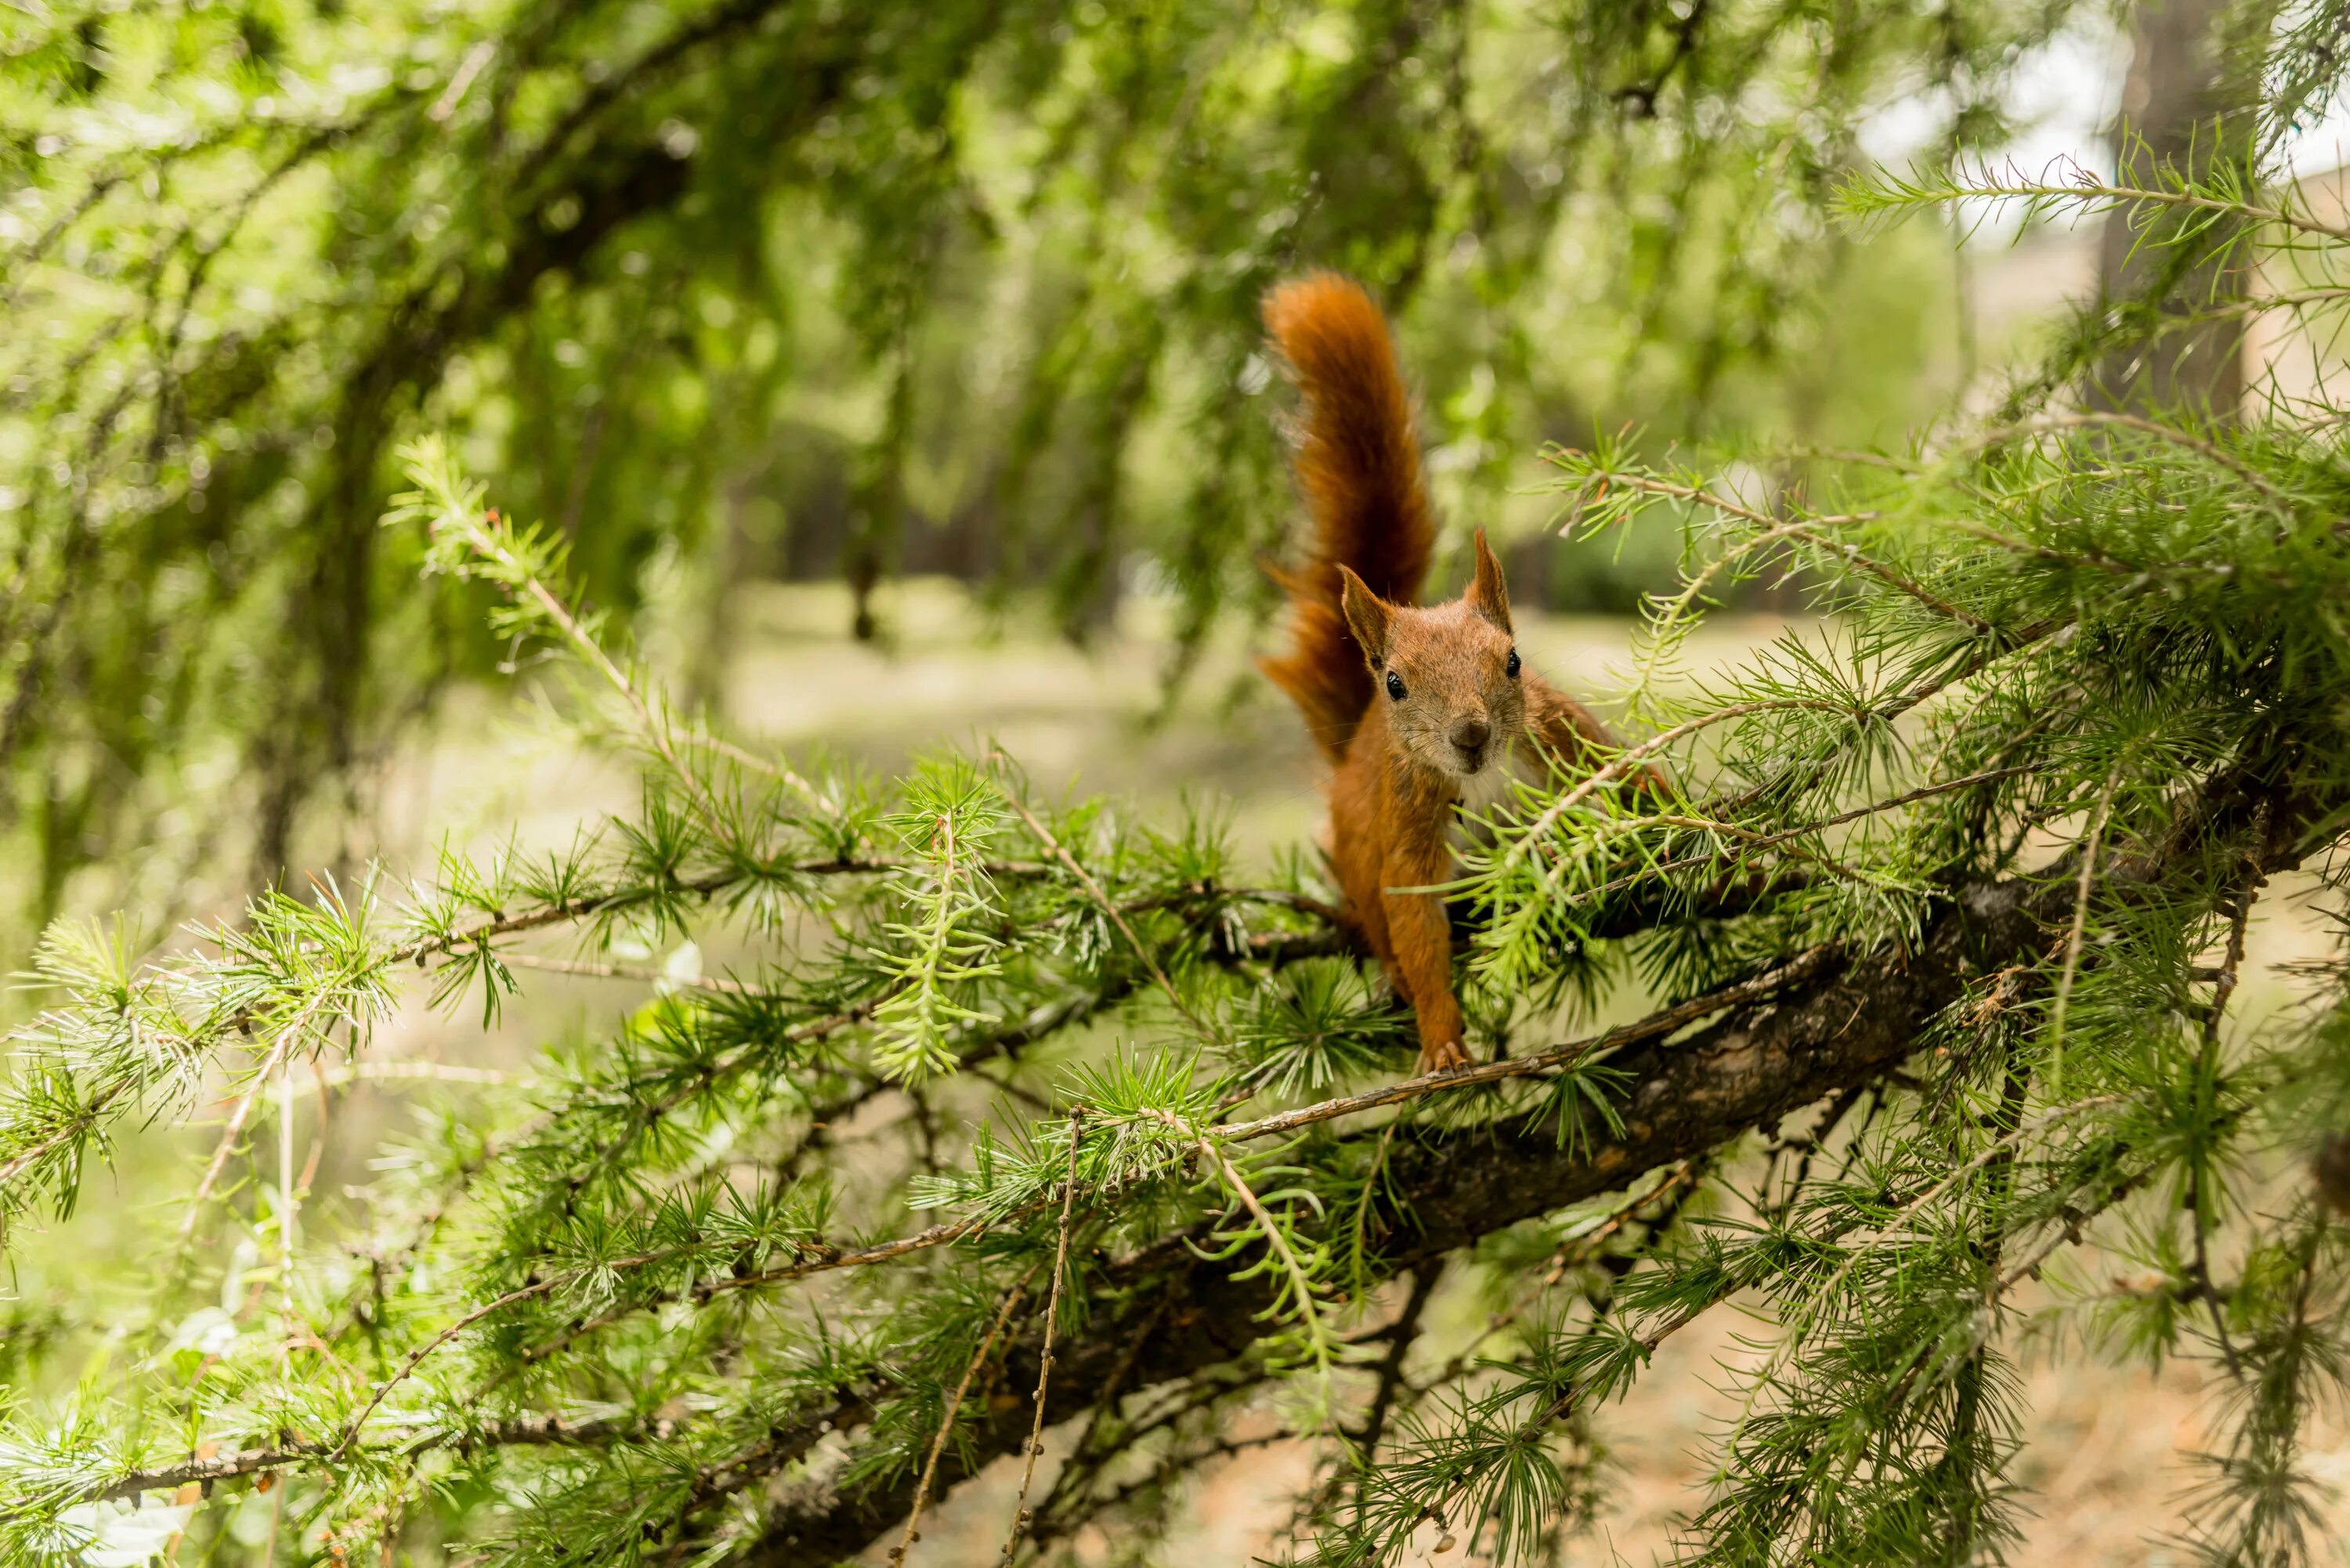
2188	105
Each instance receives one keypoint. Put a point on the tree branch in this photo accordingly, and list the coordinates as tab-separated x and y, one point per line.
1848	1023
1166	1315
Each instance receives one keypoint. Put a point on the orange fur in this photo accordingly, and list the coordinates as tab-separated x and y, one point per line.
1359	464
1402	766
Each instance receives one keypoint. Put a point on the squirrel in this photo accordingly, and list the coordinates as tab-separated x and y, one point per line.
1426	713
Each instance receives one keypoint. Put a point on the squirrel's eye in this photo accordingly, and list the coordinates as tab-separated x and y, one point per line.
1395	686
1513	665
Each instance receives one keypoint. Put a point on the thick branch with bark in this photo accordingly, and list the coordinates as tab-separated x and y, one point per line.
1849	1026
1166	1315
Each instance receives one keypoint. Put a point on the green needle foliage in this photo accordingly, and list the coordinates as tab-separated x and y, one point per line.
1004	1112
829	288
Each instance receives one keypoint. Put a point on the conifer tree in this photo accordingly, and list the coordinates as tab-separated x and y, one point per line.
1038	1133
818	285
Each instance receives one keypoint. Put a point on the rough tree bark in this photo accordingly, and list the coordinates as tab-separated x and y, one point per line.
2186	104
1164	1314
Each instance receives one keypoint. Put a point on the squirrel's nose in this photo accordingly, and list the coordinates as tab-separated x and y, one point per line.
1471	733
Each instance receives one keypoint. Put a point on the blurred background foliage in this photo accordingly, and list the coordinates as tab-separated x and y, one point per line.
853	288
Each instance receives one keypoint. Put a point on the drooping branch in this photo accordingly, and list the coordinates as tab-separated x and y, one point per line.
553	1430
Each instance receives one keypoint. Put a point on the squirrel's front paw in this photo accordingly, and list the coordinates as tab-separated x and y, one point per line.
1444	1056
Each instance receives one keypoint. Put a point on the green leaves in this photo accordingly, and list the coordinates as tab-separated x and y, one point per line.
785	1198
639	1208
937	955
1316	1027
877	1055
952	259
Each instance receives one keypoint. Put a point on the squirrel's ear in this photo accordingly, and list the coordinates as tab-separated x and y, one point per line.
1488	594
1366	615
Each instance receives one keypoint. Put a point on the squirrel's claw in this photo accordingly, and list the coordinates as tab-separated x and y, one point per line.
1445	1056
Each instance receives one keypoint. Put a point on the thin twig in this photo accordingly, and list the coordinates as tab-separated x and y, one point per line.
1401	1335
2072	943
1299	1278
2087	185
1555	1411
2176	437
655	727
1752	837
1651	485
2068	1233
955	1404
287	1237
2199	1198
1083	1464
1806	529
1985	652
531	919
767	765
1794	1329
1910	585
1650	872
1622	764
552	604
230	1134
1573	1251
623	971
82	1123
824	1257
1093	891
429	1071
521	1430
1045	1356
1665	1021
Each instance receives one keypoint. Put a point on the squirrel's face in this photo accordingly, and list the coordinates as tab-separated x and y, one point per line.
1448	675
1449	681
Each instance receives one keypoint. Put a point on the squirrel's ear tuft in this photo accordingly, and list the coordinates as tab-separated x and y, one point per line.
1366	615
1489	594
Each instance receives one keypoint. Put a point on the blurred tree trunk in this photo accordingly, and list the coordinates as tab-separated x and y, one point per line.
2189	105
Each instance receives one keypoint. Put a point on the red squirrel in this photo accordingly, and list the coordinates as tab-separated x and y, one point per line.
1425	713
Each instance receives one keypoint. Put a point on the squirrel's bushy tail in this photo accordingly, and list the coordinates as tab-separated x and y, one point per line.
1360	468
